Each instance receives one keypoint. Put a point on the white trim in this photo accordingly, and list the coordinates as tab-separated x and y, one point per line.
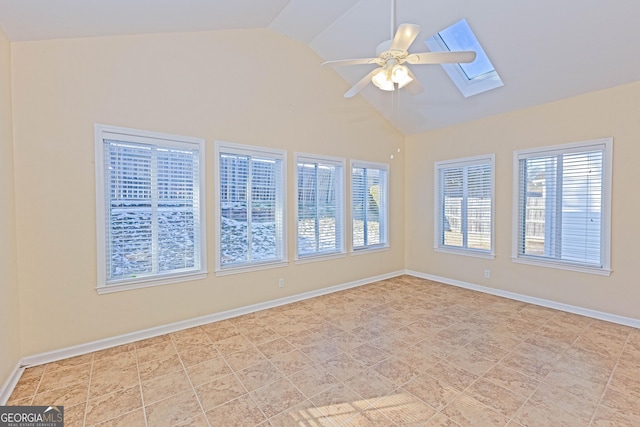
10	384
63	353
384	237
153	281
324	257
226	271
338	162
468	87
474	253
568	148
604	144
614	318
370	249
252	152
102	132
464	162
560	265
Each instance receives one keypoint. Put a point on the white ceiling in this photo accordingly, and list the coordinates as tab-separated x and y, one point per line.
544	50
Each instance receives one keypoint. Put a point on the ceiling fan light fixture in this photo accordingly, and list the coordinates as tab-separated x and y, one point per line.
400	75
382	79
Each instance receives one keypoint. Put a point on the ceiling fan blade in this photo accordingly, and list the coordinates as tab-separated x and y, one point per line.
405	35
361	61
360	85
460	57
414	87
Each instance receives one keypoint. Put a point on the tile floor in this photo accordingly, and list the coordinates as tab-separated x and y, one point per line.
399	352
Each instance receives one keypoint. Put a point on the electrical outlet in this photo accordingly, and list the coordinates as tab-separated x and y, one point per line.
281	283
487	274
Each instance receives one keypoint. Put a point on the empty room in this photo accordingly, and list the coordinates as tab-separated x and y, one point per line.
339	213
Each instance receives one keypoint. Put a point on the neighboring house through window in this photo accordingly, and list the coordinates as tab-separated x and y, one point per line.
150	208
250	207
464	206
320	206
369	205
562	206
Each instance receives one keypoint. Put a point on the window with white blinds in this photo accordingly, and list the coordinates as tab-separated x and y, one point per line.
251	207
320	207
464	206
369	205
150	208
563	206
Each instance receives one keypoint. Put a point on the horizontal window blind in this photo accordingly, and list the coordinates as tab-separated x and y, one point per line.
369	196
320	207
561	205
151	208
251	194
464	204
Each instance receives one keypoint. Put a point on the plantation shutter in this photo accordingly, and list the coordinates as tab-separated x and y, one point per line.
251	208
129	209
152	209
464	204
451	201
320	207
369	205
560	195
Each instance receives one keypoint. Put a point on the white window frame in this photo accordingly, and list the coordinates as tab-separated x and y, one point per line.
251	151
606	145
102	132
340	164
468	87
438	245
384	225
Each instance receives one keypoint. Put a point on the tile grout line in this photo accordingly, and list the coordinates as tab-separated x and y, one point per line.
86	403
509	418
184	369
235	375
144	406
606	387
284	376
541	382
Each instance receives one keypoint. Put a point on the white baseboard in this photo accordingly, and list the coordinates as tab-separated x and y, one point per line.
52	356
614	318
10	383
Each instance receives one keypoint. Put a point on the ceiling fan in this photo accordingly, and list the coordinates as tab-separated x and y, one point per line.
392	55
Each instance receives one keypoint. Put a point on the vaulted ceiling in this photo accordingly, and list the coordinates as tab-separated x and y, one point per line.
544	50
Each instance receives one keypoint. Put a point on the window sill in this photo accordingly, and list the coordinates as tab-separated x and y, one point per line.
372	249
466	252
562	266
253	267
315	258
130	285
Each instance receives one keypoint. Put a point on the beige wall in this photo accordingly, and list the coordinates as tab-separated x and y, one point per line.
9	326
251	87
614	112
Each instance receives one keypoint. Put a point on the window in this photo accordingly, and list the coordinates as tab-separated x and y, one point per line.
369	195
150	208
251	207
472	78
320	208
562	215
464	206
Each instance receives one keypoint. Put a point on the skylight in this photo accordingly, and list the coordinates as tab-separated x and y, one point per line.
473	78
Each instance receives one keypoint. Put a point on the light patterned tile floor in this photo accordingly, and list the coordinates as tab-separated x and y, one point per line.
400	352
